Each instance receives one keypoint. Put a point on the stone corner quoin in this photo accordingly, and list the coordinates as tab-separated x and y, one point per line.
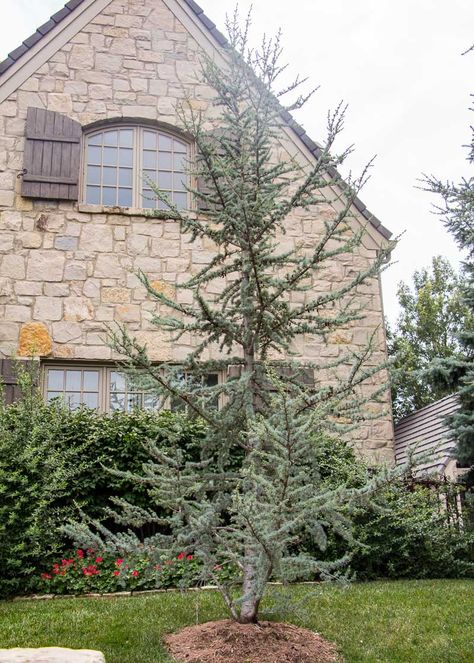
67	269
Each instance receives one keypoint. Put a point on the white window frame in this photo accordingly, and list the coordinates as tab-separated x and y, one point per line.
105	371
137	147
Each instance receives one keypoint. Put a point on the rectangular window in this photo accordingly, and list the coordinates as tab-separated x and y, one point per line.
104	388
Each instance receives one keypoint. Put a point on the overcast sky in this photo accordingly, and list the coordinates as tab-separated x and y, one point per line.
397	64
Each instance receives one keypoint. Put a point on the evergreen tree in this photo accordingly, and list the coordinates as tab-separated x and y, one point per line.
256	488
432	314
457	373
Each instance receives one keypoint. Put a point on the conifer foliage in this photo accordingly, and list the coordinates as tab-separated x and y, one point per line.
256	490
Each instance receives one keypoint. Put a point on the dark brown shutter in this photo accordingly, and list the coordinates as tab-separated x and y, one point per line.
10	382
52	155
8	376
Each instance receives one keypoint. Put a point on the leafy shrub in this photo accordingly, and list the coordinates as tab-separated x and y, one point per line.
52	462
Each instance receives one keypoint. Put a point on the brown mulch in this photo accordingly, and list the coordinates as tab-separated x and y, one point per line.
267	642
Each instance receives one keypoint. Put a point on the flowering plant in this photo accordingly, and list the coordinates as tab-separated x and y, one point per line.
86	571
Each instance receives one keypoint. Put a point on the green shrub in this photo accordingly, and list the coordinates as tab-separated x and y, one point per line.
52	462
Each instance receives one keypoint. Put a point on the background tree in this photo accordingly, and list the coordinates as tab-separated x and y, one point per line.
432	313
457	373
257	486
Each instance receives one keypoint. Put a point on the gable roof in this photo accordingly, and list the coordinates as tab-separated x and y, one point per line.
428	429
210	26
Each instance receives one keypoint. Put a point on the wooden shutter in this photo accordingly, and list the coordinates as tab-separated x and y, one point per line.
10	382
8	376
52	155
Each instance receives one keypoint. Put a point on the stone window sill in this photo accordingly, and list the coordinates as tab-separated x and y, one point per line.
126	211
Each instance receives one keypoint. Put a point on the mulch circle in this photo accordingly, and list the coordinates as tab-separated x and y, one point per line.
267	642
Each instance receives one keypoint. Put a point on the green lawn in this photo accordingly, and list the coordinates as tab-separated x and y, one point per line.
380	622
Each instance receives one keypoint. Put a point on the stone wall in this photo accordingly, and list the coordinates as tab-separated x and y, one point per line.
66	268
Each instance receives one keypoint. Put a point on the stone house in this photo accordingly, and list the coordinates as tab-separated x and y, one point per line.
87	107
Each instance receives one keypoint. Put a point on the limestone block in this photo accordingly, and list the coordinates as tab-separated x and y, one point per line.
108	266
45	266
10	220
92	352
62	103
6	289
66	243
148	265
81	57
137	244
50	655
96	237
34	341
7	198
75	271
157	343
77	309
91	288
164	288
56	289
14	313
8	331
109	63
65	332
13	267
6	242
128	313
47	308
28	288
115	295
123	46
31	240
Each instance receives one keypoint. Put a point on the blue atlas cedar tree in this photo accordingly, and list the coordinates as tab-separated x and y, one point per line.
256	489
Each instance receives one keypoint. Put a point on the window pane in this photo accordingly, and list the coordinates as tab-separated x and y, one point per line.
211	380
111	138
161	204
149	159
179	162
54	394
73	400
117	381
73	380
125	176
117	402
149	140
93	195
91	400
147	200
95	140
150	402
179	181
94	154
165	143
55	379
126	138
110	156
126	157
91	381
125	197
109	196
133	401
164	180
179	146
180	200
110	176
149	175
164	160
93	174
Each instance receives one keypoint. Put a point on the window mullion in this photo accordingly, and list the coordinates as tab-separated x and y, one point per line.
137	148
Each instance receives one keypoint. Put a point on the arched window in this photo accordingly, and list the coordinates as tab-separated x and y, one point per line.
122	161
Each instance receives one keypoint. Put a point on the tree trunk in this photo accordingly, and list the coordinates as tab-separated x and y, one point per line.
250	604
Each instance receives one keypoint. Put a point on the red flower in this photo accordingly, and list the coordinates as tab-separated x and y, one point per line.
90	551
135	574
189	558
181	556
157	567
116	573
85	571
118	562
99	559
80	553
46	576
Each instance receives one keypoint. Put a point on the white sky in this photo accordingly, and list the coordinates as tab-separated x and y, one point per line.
397	63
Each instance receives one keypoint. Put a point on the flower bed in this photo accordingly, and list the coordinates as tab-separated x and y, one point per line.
87	571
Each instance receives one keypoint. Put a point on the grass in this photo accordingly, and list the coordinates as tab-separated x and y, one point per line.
427	621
